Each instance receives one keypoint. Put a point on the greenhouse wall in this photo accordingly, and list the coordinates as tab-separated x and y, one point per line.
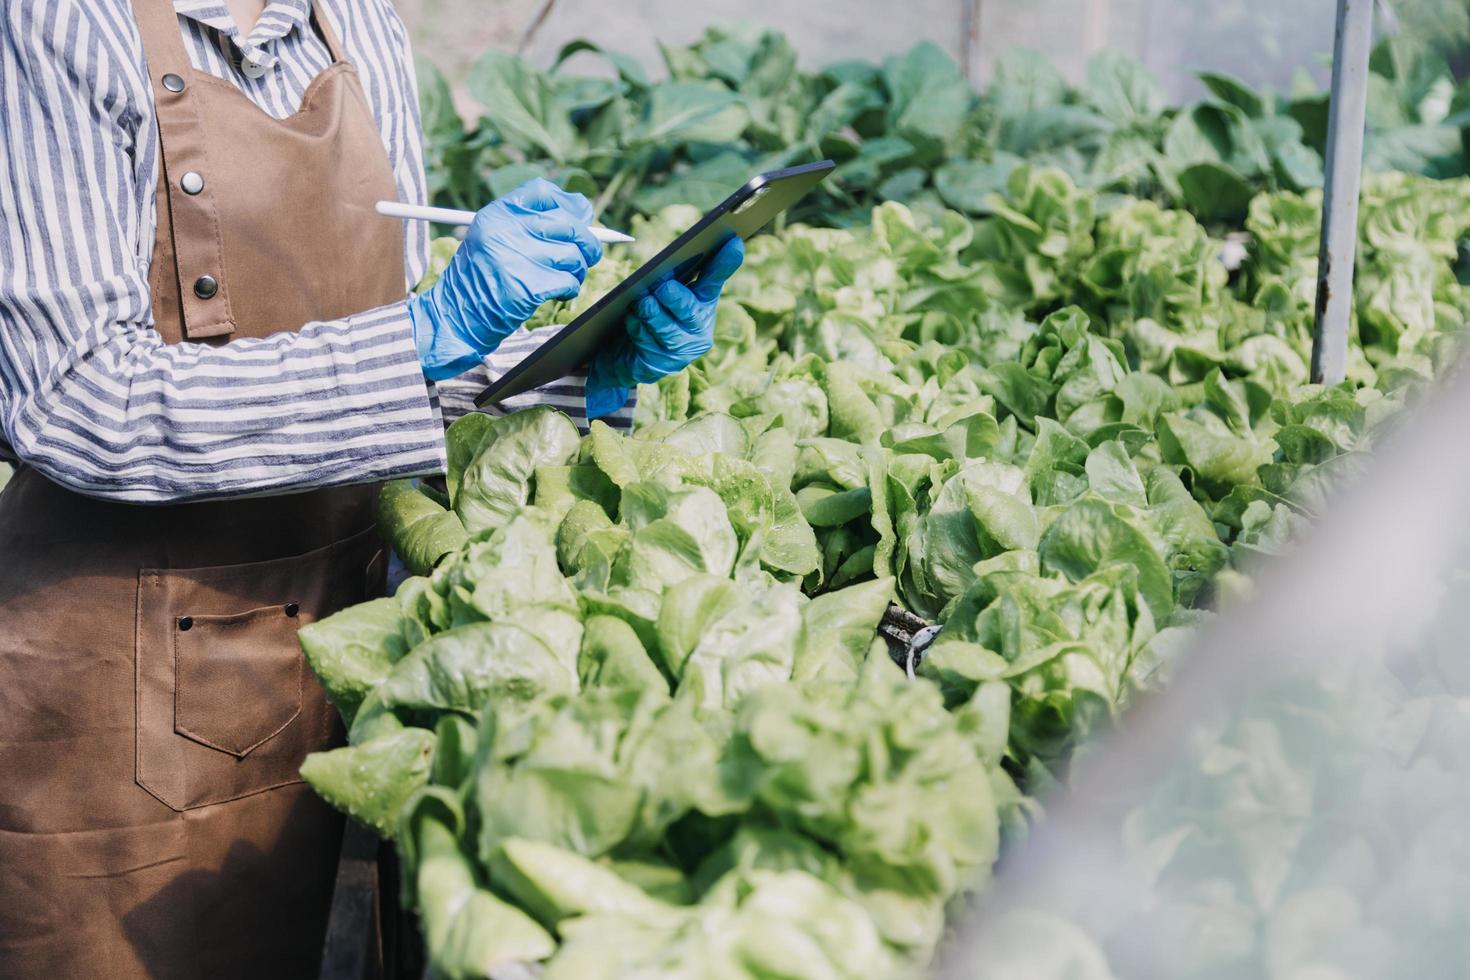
1266	42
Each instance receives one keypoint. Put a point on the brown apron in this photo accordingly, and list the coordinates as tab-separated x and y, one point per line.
154	706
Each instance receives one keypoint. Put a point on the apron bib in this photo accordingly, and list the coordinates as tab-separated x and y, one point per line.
154	704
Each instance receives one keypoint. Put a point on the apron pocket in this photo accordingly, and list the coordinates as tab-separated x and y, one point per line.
226	706
237	678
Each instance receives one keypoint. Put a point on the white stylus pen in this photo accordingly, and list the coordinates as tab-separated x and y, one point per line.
448	216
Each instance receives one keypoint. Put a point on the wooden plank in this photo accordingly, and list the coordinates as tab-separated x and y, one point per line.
353	948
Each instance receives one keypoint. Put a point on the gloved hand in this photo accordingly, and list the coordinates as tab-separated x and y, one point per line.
533	245
668	328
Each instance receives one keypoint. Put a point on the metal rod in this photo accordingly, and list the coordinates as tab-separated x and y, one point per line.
972	54
534	26
1345	131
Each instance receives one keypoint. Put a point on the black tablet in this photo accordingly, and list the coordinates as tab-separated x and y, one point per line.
743	213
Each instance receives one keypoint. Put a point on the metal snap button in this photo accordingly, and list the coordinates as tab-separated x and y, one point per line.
206	286
173	82
292	609
186	623
192	182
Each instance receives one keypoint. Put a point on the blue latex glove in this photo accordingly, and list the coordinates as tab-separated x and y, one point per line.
668	329
533	245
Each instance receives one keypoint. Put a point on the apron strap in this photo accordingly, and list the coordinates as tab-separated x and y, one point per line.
163	37
194	219
328	35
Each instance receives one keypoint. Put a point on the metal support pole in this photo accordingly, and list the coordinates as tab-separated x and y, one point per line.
537	19
972	60
1349	111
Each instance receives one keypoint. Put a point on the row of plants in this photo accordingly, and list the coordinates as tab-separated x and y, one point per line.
910	130
630	716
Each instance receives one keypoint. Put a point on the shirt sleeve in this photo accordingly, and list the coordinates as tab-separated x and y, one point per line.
457	396
90	394
568	395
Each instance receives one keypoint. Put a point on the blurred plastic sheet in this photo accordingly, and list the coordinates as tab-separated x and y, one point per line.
1295	804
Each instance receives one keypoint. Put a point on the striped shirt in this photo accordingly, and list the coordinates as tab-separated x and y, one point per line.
89	393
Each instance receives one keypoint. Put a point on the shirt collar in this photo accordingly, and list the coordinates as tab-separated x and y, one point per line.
280	18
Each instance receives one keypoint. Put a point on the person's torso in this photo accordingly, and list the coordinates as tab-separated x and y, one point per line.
275	68
155	816
265	222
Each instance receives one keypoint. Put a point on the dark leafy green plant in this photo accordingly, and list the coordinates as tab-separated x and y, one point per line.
909	129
